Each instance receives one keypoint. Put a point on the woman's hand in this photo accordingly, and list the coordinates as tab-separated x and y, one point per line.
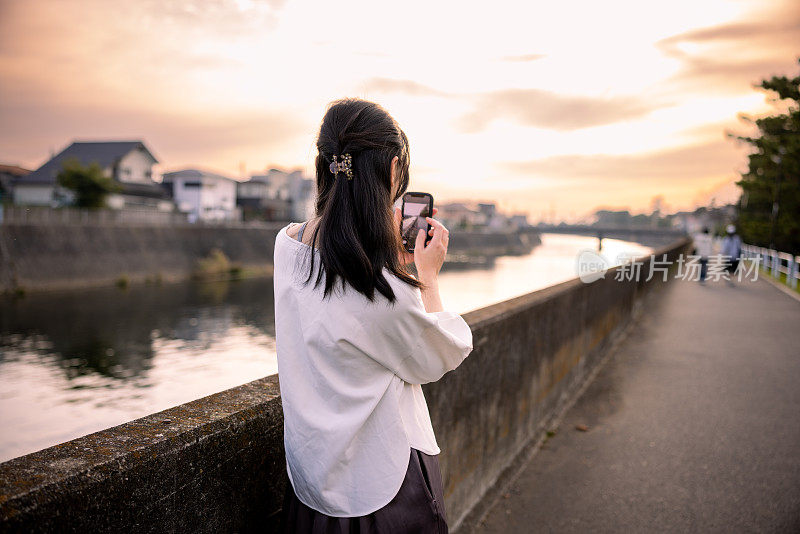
405	256
429	259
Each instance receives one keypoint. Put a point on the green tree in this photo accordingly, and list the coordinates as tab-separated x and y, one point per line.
90	185
769	206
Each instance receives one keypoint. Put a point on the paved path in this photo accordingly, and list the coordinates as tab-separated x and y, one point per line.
693	425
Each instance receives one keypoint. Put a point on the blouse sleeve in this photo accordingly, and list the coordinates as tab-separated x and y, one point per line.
418	346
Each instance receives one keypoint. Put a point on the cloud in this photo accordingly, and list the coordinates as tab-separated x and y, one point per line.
176	137
732	57
408	87
147	50
148	69
545	109
524	57
96	25
681	165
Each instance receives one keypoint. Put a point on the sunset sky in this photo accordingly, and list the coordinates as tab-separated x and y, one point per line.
542	106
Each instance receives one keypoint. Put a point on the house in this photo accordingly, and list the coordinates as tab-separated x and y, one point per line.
204	195
277	196
480	216
461	215
488	209
9	173
519	220
256	198
302	193
129	163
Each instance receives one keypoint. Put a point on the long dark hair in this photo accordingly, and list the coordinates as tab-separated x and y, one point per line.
358	236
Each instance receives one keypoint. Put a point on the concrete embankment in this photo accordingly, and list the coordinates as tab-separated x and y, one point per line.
44	256
477	244
217	464
36	257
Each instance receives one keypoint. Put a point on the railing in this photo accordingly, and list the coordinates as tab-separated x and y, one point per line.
100	217
775	263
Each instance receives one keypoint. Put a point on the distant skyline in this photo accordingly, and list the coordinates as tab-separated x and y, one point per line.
565	107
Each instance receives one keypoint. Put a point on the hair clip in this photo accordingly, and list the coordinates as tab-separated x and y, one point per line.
345	166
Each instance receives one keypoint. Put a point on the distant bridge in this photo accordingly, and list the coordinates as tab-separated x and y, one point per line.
652	237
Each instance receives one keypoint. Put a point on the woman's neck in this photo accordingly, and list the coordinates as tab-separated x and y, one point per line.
308	233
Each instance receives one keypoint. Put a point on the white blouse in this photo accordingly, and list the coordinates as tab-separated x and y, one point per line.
350	372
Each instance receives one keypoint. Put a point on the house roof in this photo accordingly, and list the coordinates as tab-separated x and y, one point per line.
14	170
105	153
195	173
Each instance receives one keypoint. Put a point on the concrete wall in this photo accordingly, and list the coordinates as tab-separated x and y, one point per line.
48	256
213	465
217	464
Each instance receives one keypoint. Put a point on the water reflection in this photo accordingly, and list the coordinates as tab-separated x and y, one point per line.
76	362
552	262
79	361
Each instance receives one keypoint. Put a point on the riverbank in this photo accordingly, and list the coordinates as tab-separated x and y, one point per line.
475	249
47	257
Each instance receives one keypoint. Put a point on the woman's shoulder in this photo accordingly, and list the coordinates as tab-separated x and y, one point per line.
293	228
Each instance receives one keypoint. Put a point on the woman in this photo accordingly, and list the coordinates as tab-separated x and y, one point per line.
356	335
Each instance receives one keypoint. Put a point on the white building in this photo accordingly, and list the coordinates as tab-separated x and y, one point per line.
129	163
203	195
278	195
461	215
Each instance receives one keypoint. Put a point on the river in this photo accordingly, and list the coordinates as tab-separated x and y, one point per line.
75	362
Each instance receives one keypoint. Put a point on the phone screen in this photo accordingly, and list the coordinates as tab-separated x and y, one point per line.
415	208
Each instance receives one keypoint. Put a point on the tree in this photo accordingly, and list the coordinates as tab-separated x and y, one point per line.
89	183
769	206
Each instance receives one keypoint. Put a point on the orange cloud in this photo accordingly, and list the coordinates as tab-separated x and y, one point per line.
407	87
176	135
525	57
733	57
681	165
545	109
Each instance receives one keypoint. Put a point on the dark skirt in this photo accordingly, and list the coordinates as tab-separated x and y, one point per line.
417	507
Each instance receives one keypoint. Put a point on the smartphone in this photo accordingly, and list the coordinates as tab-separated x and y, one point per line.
416	206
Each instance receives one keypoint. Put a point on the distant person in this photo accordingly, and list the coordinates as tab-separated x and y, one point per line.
357	335
731	251
703	246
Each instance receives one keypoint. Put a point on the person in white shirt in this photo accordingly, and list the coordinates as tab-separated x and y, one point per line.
703	247
356	336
